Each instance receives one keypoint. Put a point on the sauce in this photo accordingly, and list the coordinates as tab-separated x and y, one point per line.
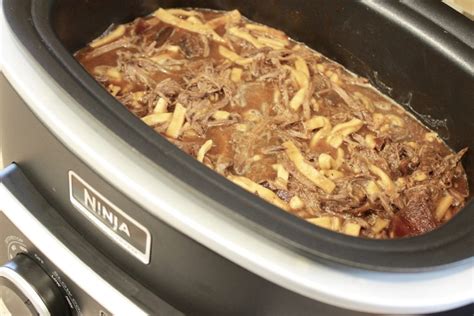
282	121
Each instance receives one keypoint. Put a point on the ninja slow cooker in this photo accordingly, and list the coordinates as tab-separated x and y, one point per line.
102	215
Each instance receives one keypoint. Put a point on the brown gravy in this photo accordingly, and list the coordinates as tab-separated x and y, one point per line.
282	121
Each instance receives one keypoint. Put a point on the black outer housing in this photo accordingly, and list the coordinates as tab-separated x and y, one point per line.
24	191
184	273
427	69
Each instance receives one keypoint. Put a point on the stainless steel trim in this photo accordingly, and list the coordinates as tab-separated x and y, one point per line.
27	290
200	218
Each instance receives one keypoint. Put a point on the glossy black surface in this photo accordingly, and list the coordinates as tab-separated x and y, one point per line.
46	274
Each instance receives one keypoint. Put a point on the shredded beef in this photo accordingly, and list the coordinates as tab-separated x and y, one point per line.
282	121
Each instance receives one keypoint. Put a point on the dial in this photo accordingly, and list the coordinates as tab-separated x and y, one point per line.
26	289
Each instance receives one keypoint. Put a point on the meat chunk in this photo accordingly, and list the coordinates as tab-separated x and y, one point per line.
416	218
194	45
163	35
169	87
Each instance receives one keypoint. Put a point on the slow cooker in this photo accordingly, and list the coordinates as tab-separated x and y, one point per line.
100	215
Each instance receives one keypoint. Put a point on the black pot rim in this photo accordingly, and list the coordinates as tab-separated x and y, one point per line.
31	21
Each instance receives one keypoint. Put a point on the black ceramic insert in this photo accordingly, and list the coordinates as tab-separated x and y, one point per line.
403	53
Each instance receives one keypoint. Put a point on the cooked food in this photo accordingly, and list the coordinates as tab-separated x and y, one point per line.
282	121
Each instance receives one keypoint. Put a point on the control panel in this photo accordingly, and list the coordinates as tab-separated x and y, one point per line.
32	284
